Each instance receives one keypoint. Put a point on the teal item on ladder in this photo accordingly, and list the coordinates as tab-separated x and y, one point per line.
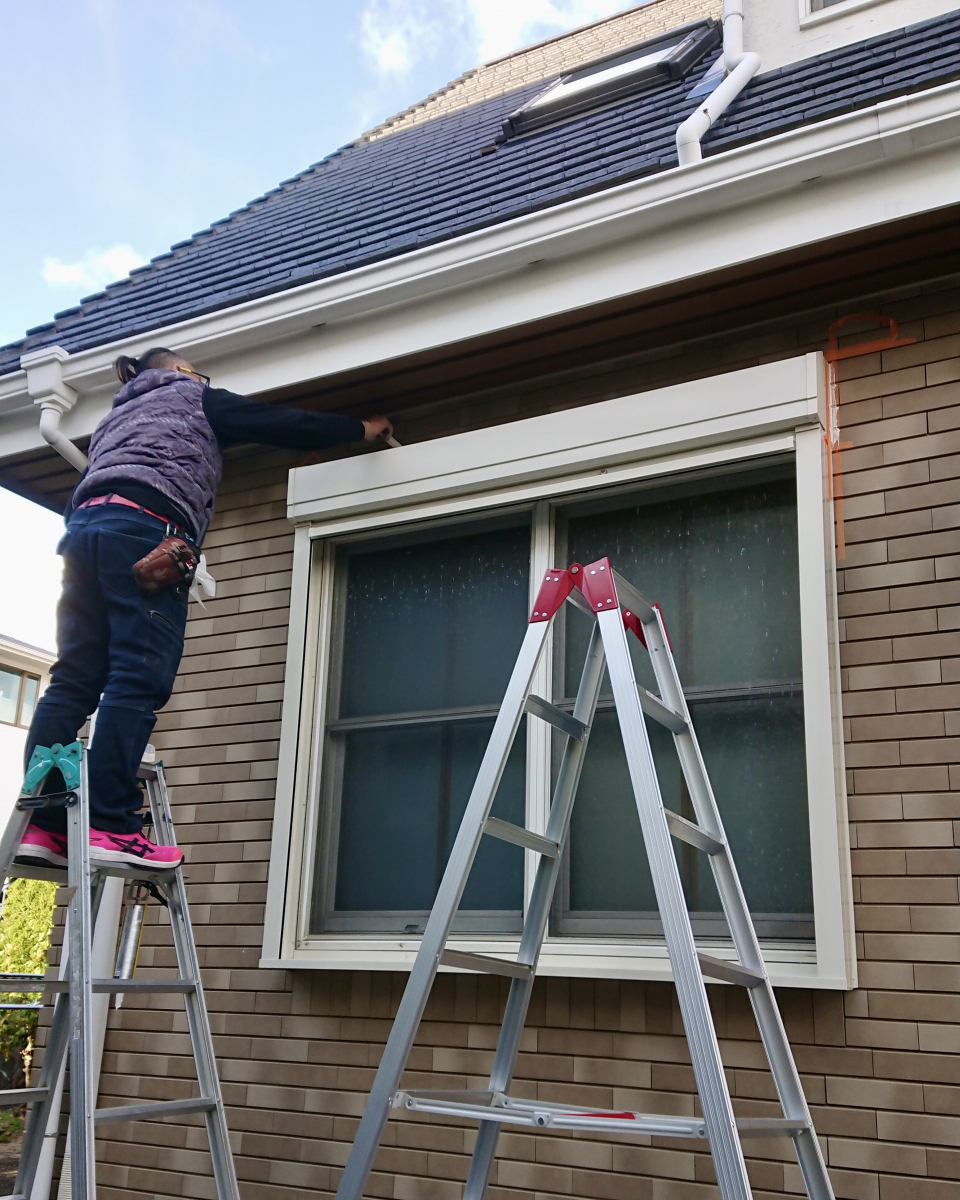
616	608
71	1032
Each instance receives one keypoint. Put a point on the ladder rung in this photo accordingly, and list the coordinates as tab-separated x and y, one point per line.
21	983
556	716
483	962
109	986
654	707
686	831
730	972
493	1106
17	1096
630	598
152	1111
520	837
771	1126
58	875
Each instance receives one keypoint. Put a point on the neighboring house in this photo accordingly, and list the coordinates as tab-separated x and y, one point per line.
587	350
24	675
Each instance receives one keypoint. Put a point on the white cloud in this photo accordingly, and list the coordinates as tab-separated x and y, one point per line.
96	269
398	34
505	25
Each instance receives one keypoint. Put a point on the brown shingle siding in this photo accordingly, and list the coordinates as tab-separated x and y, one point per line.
297	1050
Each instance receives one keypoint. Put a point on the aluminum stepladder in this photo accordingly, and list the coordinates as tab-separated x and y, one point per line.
618	608
70	1034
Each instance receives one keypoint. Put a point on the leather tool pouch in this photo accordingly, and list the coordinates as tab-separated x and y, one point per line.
173	561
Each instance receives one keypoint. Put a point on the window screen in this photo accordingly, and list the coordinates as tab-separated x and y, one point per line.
720	556
426	632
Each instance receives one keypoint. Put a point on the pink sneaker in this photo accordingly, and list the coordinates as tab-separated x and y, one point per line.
131	849
39	845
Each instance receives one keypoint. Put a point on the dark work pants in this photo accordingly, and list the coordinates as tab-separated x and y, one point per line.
118	652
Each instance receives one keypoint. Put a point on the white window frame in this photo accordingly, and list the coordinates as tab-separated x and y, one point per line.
719	422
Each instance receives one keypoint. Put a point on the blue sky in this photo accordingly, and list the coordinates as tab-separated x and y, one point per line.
128	125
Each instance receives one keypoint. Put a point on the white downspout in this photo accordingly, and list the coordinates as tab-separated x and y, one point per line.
740	68
47	389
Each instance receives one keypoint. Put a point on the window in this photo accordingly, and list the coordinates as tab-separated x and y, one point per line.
720	556
18	696
426	630
412	583
616	76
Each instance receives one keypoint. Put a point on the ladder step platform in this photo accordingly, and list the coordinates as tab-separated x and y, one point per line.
686	831
615	608
112	986
730	972
561	720
494	1106
14	1097
153	1111
520	837
23	869
485	963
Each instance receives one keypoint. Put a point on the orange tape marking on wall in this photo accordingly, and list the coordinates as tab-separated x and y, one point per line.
832	436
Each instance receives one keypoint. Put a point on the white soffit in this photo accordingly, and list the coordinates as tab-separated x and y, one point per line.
892	160
772	398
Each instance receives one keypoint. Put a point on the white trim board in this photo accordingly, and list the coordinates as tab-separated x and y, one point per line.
732	418
759	401
854	172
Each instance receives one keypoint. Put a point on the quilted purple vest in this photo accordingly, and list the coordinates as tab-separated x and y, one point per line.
157	434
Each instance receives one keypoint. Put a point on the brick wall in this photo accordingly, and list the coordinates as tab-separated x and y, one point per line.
297	1050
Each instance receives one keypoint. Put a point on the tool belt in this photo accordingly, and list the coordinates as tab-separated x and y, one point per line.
173	561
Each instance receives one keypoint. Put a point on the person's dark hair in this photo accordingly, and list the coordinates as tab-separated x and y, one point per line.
126	368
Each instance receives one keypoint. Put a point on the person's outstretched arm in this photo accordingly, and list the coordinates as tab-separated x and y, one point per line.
236	418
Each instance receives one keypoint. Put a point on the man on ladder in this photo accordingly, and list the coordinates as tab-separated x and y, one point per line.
135	524
144	501
617	608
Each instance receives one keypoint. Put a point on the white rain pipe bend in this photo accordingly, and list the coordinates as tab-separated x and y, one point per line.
50	432
741	68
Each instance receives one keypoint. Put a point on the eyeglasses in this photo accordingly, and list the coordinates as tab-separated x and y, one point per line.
204	379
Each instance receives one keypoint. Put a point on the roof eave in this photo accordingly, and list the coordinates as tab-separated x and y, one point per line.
382	311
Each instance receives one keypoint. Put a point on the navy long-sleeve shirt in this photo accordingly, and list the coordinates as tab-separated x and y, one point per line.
236	419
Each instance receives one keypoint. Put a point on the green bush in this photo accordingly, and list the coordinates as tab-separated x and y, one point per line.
24	938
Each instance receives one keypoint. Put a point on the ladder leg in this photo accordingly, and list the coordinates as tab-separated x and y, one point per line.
767	1014
538	914
82	1099
198	1021
12	837
704	1051
51	1078
438	926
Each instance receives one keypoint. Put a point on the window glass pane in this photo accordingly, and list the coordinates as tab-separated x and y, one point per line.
430	626
434	625
404	792
721	559
30	686
9	694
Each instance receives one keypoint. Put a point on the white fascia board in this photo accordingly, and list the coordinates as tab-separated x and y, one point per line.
754	402
861	170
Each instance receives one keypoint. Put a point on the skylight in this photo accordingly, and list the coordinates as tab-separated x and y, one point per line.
616	76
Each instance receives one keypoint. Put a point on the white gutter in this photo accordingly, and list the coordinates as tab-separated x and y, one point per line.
45	387
740	68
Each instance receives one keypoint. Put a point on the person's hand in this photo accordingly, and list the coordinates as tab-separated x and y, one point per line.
377	427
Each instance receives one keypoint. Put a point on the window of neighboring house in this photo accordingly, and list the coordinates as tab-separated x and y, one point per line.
616	77
426	631
720	556
18	696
